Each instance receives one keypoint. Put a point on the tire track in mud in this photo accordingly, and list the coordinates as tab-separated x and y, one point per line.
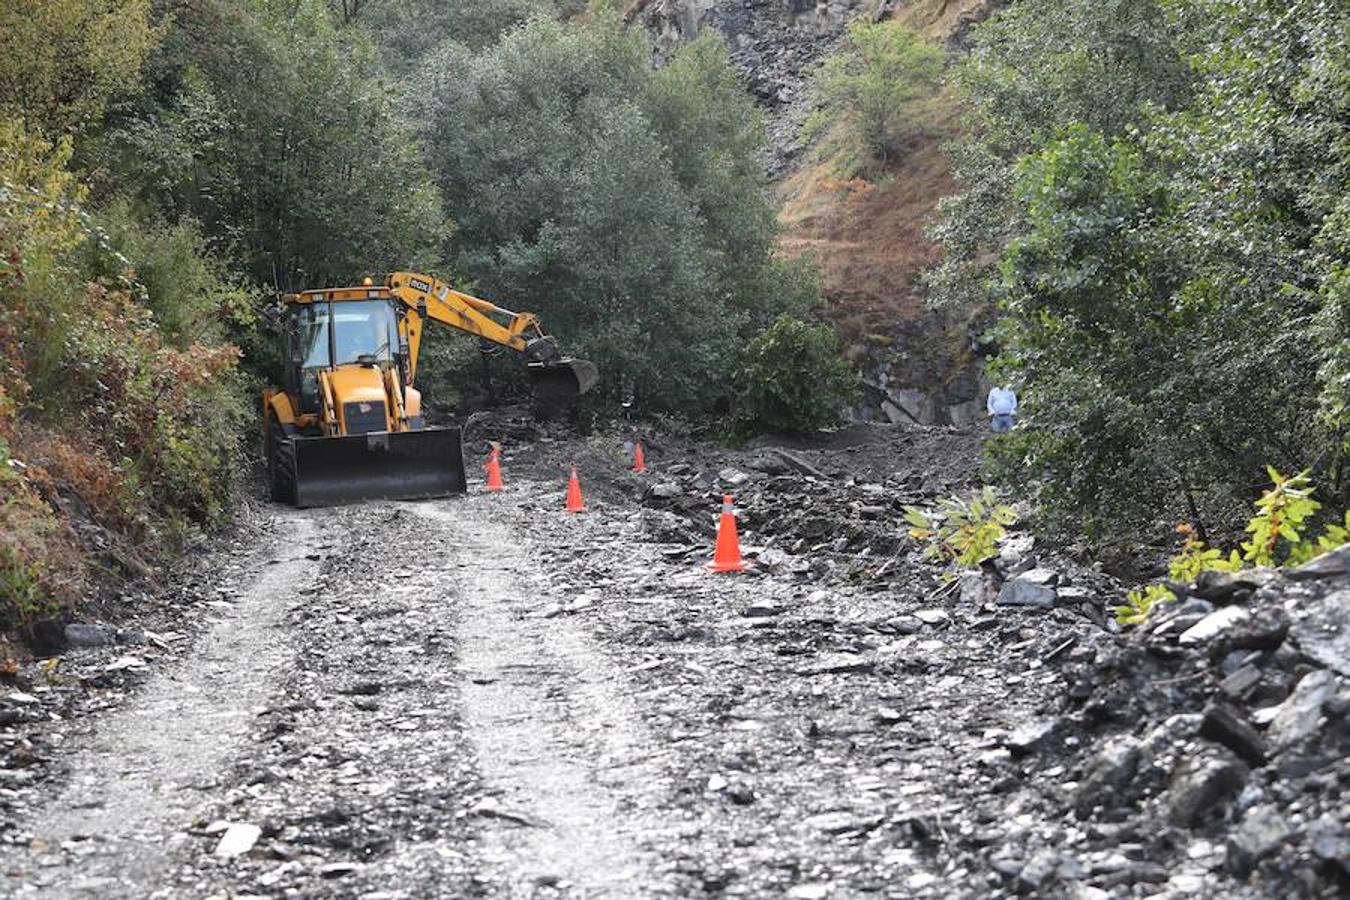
564	756
141	772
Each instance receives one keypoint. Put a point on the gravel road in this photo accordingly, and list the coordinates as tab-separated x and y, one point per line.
487	697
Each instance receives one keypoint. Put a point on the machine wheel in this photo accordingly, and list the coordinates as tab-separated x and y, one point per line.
280	463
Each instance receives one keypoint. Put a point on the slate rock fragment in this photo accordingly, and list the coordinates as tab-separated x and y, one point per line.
1261	832
1300	715
1202	782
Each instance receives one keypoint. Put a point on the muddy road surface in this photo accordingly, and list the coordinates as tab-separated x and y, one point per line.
488	697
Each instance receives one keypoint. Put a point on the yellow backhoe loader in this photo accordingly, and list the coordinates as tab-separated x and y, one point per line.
347	425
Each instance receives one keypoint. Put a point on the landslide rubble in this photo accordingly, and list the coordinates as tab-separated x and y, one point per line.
840	721
1000	734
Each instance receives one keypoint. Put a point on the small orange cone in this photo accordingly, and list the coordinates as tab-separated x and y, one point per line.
494	470
574	492
727	556
639	461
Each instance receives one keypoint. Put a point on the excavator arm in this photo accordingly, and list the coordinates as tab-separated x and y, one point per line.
555	377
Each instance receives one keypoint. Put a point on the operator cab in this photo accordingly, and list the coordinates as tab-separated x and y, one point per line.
331	330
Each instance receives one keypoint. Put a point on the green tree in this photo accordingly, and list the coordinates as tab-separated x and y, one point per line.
794	379
297	164
1167	271
625	206
407	30
62	60
869	94
1033	69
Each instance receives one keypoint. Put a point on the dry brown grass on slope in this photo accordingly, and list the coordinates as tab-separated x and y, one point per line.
943	20
869	236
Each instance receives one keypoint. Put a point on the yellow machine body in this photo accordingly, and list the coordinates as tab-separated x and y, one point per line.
348	423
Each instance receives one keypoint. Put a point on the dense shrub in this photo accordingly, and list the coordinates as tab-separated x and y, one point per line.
1168	244
297	163
409	29
794	379
61	61
102	420
871	95
627	206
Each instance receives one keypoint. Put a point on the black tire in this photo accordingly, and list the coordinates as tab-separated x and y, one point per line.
280	463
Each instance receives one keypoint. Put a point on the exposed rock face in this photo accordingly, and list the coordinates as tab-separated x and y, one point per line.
774	44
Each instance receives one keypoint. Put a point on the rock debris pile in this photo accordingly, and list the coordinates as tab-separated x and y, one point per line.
840	721
1205	750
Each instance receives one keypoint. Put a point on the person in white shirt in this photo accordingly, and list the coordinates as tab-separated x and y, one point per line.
1002	407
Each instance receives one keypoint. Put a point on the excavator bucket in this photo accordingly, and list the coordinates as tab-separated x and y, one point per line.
401	465
562	380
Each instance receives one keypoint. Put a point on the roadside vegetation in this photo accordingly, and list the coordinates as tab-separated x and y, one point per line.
154	193
1153	197
1278	534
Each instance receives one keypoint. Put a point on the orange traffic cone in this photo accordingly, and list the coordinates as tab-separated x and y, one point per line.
494	470
727	556
639	461
574	492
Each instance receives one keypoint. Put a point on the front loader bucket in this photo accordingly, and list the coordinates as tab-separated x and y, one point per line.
562	380
400	465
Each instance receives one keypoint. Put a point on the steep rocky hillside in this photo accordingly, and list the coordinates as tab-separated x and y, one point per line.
868	236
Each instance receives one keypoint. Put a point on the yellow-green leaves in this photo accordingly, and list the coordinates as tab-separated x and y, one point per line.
61	60
1195	557
961	532
1139	605
1281	512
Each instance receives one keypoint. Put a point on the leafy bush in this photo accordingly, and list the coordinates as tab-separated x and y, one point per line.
962	532
794	379
1195	557
1157	183
1282	513
410	29
191	292
1035	68
1139	605
869	94
625	205
62	60
298	162
100	416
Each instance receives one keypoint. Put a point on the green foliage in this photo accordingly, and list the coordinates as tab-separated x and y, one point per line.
191	292
298	162
1035	68
1336	534
408	30
61	61
97	405
794	378
1158	185
22	598
1277	533
622	204
1282	513
1139	605
870	94
962	532
1195	557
